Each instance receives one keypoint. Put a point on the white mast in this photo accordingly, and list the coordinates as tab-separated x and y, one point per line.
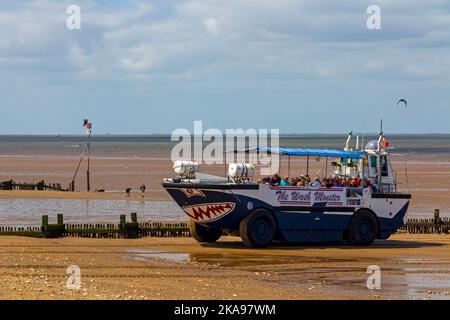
348	140
380	140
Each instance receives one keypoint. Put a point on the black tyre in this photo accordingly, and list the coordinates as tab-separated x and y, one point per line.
202	233
258	229
363	228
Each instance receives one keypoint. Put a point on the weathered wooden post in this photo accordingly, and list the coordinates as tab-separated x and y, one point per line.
52	230
436	214
60	218
44	225
129	229
44	221
437	221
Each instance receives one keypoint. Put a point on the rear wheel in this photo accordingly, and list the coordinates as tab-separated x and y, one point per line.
363	228
202	233
258	229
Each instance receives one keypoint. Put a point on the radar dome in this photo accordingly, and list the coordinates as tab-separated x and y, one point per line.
372	145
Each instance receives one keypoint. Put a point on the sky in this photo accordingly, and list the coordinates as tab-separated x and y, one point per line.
143	67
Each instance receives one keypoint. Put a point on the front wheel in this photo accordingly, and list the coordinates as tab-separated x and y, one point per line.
363	228
202	233
258	229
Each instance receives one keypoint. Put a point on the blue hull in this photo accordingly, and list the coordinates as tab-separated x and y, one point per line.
295	223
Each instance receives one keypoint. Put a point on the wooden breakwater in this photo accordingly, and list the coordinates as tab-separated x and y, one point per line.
427	226
29	231
135	229
41	186
123	229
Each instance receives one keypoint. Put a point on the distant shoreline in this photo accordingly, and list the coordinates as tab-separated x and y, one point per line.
168	135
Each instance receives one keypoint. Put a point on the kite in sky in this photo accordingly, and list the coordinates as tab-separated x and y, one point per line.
402	101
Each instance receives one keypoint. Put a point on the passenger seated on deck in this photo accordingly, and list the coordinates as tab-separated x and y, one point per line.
301	183
354	183
275	180
345	182
285	182
316	183
329	183
338	182
264	180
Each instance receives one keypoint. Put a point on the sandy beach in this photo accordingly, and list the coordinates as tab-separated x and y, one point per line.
412	267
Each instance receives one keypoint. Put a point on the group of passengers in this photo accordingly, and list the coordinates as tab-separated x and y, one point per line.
307	181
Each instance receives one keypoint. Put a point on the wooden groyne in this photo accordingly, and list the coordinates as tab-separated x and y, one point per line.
135	229
427	226
123	229
41	186
20	231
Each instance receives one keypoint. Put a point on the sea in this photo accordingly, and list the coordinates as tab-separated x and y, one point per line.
160	146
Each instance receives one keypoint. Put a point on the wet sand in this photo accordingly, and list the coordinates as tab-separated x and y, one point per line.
412	266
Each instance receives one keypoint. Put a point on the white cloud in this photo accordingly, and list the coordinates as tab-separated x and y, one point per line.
212	26
238	54
298	36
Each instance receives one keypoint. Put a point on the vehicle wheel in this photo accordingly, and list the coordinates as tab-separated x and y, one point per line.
202	233
363	228
258	229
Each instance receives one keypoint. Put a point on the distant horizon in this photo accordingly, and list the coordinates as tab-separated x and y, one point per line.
169	134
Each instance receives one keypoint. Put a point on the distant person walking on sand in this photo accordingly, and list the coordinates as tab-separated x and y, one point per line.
142	189
128	192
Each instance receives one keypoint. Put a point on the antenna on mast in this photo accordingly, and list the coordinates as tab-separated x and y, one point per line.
380	141
348	140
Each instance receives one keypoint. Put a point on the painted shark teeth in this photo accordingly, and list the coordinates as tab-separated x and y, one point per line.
209	211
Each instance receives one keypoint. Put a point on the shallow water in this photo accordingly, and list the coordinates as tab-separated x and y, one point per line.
29	211
148	254
227	259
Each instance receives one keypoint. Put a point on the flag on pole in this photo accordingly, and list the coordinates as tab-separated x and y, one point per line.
87	124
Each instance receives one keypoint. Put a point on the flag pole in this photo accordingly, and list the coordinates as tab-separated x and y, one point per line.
88	126
88	161
72	184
